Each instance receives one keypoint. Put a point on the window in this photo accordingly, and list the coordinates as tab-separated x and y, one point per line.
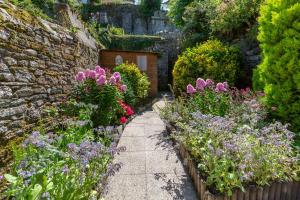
118	60
142	63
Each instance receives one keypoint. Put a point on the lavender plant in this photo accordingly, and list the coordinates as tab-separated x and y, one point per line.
234	144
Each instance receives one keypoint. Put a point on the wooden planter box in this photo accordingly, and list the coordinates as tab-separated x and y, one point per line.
276	191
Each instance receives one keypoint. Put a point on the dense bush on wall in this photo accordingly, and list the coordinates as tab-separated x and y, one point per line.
210	59
278	74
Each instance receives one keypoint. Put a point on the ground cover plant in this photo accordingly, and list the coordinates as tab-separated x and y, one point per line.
71	159
229	135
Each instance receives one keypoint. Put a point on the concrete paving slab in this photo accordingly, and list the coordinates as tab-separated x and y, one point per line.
127	187
133	143
158	142
134	131
163	162
132	162
170	187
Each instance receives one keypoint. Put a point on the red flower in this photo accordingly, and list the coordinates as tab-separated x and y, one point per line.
123	120
129	111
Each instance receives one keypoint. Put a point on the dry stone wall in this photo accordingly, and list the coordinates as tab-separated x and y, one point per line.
38	61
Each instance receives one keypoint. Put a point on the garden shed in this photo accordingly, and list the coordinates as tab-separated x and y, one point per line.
146	61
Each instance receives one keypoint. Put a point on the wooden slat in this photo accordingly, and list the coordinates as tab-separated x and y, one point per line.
252	191
234	196
272	192
298	190
203	188
289	191
266	190
259	193
247	194
294	191
284	188
278	191
240	195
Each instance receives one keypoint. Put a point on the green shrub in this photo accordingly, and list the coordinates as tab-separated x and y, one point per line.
279	36
231	16
211	59
138	81
129	96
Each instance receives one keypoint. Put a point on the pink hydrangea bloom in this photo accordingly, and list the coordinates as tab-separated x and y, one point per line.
117	76
99	70
209	82
190	89
220	88
80	76
200	84
124	88
101	80
92	74
112	80
87	73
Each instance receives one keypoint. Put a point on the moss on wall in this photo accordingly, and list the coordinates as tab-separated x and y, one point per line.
133	42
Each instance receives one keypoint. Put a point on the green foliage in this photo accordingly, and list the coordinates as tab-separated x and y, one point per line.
129	96
116	31
229	137
229	17
148	7
211	59
279	36
132	42
176	11
200	19
138	80
196	26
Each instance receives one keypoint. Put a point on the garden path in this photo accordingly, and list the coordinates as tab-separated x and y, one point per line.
151	168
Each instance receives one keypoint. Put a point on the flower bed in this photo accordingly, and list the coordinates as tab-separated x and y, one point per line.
229	142
71	159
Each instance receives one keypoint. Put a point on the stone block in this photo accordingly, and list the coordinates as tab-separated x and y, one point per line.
24	76
5	92
8	112
10	61
7	77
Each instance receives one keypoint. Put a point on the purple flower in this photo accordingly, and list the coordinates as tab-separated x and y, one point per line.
65	169
123	88
200	84
87	73
1	177
190	89
100	71
92	74
209	82
220	88
101	80
112	80
117	76
80	76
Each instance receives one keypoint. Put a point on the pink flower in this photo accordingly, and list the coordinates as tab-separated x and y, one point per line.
99	70
112	80
80	76
101	80
220	88
200	84
123	120
117	76
123	88
87	73
190	89
209	82
129	111
92	74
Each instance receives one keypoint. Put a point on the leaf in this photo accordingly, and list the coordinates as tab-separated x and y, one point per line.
49	186
10	178
36	191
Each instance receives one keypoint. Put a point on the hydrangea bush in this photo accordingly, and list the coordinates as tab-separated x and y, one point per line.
228	134
106	91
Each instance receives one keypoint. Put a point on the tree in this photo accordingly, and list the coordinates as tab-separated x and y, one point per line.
148	7
279	72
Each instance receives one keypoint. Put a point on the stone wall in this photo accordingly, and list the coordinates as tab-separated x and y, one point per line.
128	17
38	61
